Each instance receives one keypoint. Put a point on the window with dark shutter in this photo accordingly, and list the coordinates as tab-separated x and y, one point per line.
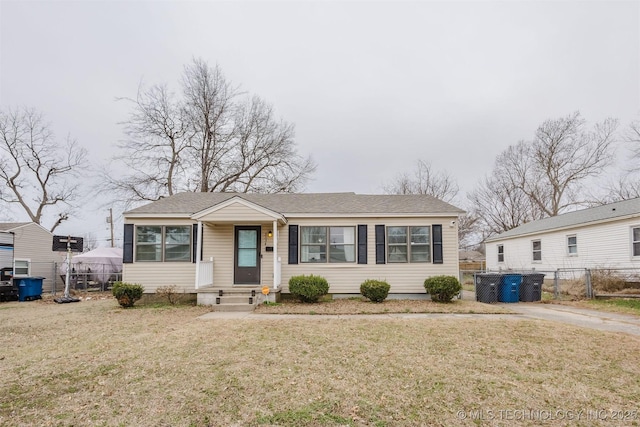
194	243
362	243
380	253
293	244
127	251
437	243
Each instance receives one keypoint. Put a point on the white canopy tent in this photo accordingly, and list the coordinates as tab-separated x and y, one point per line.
99	265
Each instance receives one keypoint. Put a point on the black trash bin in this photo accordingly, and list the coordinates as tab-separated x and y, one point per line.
487	285
531	287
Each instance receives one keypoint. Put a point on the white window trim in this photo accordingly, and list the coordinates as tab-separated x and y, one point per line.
569	253
328	245
635	257
163	243
536	261
28	260
409	244
498	251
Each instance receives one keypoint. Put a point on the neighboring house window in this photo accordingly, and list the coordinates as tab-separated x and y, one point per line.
636	241
158	243
572	245
537	250
500	253
408	244
22	267
328	244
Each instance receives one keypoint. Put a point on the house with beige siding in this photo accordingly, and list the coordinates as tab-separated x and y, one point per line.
605	236
33	254
211	243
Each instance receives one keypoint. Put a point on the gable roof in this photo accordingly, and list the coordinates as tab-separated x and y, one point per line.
610	212
187	204
8	226
13	226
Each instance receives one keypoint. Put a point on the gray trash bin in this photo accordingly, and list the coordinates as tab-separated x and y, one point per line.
487	286
531	287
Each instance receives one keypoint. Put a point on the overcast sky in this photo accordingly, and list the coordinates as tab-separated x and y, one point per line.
370	86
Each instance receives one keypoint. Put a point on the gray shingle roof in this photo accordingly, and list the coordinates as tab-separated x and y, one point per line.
304	203
6	226
611	211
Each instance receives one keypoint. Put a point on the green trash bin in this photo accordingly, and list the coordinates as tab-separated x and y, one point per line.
29	288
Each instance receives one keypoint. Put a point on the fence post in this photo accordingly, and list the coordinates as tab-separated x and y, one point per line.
556	285
587	276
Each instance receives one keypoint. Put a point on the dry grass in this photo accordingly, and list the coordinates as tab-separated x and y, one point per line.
363	306
93	363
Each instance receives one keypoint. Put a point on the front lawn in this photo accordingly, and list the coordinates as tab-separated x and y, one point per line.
94	363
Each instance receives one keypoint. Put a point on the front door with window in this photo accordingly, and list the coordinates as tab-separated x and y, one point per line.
247	255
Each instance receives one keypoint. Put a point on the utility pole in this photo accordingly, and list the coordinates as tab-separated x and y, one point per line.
113	244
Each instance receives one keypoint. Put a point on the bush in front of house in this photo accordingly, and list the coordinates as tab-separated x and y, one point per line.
442	288
127	293
308	288
375	290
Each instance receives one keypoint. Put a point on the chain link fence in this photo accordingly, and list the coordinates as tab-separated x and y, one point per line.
97	277
576	283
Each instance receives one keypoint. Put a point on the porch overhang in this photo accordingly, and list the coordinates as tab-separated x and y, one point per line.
238	210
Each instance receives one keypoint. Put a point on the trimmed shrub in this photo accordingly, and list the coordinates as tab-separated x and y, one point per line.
442	288
375	290
308	288
127	293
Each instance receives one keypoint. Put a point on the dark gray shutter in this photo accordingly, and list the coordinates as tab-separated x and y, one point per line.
380	253
362	243
194	244
293	244
436	231
127	251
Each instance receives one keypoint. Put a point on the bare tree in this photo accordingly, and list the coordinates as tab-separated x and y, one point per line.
424	180
499	206
552	169
209	105
626	183
38	172
211	138
543	177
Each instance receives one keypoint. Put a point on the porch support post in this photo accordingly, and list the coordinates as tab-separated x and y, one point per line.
276	273
198	252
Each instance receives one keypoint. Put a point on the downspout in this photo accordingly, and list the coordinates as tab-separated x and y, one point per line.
276	273
198	252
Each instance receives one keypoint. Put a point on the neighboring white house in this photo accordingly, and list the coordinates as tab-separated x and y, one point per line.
199	241
33	254
605	236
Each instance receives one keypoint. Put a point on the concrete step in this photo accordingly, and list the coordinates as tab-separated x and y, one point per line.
235	299
233	307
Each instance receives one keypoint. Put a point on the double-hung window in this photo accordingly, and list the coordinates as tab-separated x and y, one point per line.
536	247
328	244
21	267
500	253
572	245
159	243
635	241
408	244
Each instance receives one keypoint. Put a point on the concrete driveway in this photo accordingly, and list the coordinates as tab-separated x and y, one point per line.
586	318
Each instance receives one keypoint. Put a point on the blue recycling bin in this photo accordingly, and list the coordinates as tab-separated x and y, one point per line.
510	288
29	288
